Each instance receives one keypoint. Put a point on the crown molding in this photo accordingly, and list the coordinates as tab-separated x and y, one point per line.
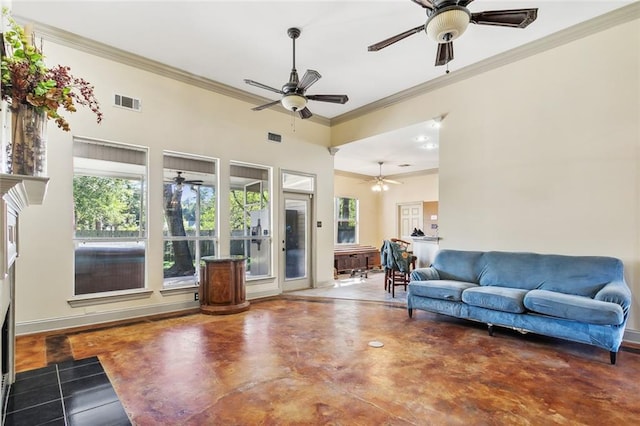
417	173
394	176
617	17
350	174
102	50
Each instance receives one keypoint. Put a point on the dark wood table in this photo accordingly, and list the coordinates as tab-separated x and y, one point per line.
355	258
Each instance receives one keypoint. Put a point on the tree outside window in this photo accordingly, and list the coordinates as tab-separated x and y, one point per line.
189	204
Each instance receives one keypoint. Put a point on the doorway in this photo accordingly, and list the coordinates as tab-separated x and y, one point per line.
296	243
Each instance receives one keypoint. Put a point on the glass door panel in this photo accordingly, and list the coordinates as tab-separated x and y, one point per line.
296	241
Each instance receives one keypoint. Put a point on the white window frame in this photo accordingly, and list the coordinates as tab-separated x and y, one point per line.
170	168
92	158
337	220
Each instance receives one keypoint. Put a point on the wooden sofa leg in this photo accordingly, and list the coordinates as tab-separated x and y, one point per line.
410	312
612	356
490	329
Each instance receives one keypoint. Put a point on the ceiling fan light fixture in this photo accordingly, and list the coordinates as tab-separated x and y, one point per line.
379	187
448	24
294	102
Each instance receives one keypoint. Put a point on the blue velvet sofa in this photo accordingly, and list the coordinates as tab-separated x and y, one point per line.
579	298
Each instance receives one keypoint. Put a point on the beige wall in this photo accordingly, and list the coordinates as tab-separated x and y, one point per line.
430	209
174	116
368	203
414	189
540	155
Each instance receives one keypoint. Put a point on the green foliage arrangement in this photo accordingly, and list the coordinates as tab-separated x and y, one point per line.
27	80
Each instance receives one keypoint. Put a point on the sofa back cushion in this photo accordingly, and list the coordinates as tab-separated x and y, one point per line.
578	275
458	265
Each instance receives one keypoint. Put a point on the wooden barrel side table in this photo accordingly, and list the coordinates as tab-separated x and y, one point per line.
222	287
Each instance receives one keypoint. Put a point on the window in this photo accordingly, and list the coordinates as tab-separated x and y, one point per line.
189	203
109	194
346	220
250	216
292	181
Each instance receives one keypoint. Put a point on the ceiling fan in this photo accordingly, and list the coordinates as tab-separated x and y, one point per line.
380	182
448	19
293	92
180	180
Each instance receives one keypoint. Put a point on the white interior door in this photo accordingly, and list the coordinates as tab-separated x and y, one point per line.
409	217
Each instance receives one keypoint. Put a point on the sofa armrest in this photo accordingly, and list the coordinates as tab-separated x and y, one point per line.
616	292
424	274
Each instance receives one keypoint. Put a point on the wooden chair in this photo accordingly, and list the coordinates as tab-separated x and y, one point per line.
398	264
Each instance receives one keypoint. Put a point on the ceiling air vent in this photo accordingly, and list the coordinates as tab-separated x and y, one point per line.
127	102
274	137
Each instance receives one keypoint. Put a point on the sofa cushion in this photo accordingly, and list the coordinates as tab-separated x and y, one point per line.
458	265
440	289
577	308
506	269
578	275
497	298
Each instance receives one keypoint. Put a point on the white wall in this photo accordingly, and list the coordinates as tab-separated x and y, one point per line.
540	155
174	116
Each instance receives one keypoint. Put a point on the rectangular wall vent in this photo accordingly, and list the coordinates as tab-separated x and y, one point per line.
273	137
127	102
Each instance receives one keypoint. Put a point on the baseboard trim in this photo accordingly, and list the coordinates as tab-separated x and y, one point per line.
257	295
31	327
631	336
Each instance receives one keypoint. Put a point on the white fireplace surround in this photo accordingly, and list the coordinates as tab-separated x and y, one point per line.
17	193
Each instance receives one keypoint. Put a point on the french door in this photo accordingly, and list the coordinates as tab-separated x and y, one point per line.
296	244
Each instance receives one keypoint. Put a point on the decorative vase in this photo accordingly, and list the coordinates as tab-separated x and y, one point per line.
26	150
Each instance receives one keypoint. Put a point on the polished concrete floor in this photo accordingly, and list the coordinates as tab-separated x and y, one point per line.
307	359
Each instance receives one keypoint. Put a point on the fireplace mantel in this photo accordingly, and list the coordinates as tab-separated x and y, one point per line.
23	190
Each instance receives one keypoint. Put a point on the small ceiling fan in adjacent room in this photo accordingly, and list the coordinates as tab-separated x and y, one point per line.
293	92
181	180
380	182
448	19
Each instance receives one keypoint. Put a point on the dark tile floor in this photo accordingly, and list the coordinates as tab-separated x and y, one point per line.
68	393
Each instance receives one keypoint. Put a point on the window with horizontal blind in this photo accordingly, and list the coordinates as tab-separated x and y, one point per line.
190	206
109	195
